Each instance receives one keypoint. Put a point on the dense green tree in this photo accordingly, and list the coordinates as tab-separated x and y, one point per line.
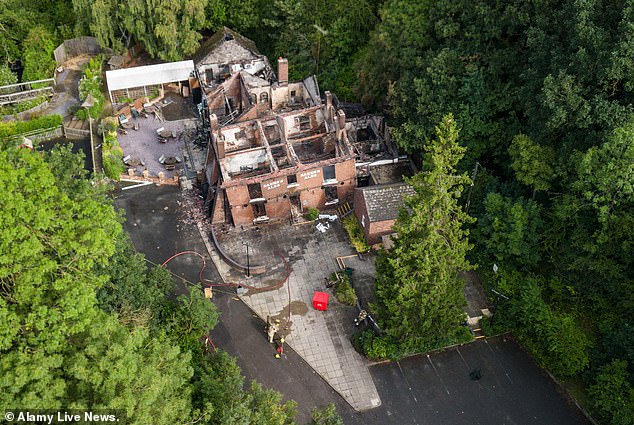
62	256
38	55
167	29
237	14
544	94
554	338
532	163
318	37
606	176
132	290
220	396
509	232
613	395
60	350
17	18
419	293
6	76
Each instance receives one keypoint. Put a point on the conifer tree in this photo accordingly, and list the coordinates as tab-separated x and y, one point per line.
419	293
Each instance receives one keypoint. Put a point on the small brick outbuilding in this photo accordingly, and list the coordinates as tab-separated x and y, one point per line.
376	208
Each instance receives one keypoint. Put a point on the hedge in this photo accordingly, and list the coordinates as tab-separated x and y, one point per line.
13	128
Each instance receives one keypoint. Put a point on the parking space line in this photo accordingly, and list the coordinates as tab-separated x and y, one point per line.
438	375
409	387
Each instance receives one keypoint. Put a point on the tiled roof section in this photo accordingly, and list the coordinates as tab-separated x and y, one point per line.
226	46
384	201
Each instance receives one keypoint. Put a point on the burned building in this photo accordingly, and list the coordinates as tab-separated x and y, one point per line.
281	163
243	96
278	147
226	53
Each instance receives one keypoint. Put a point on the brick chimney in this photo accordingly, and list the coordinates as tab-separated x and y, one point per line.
328	100
282	71
220	146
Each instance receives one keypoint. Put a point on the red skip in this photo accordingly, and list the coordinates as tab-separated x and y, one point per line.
320	300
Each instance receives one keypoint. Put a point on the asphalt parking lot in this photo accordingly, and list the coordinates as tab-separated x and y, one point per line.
438	389
419	390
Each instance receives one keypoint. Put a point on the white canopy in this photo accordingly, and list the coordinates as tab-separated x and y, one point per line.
150	75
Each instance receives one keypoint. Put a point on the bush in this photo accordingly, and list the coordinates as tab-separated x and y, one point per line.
326	416
312	214
108	125
13	128
343	291
91	84
382	347
355	232
375	347
113	165
612	394
112	156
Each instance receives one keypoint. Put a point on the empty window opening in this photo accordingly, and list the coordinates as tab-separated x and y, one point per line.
255	191
264	97
291	178
329	172
303	122
293	93
331	195
259	210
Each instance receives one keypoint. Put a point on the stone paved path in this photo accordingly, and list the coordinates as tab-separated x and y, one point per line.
321	338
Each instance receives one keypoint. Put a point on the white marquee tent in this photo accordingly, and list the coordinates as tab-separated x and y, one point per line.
129	82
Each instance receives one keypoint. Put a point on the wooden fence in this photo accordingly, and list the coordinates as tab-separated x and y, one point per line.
76	47
76	133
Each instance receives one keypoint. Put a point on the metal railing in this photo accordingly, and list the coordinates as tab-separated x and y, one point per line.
38	135
19	92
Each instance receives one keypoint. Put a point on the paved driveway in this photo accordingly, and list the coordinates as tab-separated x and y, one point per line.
154	218
417	390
